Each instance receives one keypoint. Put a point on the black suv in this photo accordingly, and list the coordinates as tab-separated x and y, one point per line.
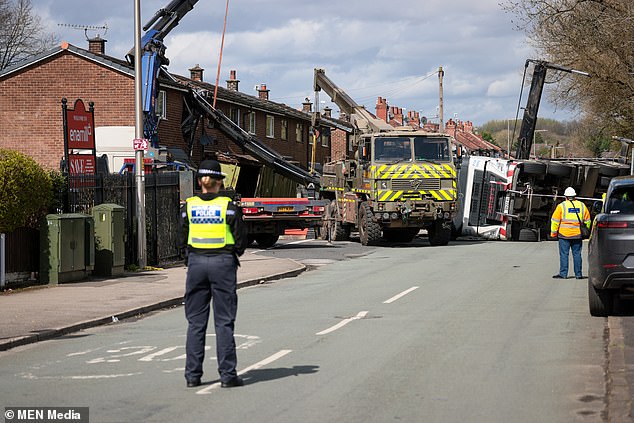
611	247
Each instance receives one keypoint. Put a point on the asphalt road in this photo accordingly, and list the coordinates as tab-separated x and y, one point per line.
473	331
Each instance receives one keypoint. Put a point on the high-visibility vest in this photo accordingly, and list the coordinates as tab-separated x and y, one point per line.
208	223
564	220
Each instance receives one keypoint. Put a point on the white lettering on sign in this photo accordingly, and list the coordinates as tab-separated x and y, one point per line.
80	135
76	166
206	211
140	144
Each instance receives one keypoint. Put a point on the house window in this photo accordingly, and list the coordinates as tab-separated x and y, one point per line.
299	131
284	129
250	124
325	137
234	115
270	126
160	108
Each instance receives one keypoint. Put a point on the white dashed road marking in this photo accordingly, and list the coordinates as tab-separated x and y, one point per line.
344	322
402	294
257	365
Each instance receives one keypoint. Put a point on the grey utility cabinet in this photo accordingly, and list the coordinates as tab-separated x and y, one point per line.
109	239
67	248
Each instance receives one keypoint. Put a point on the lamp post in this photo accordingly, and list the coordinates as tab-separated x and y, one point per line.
138	134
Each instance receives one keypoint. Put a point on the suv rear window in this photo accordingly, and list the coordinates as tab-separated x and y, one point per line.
621	201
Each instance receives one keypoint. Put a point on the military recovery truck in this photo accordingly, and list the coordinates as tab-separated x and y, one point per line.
401	180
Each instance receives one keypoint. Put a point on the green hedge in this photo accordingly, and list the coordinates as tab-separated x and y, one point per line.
25	191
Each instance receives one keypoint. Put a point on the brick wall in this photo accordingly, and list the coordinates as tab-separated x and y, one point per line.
31	108
339	141
31	114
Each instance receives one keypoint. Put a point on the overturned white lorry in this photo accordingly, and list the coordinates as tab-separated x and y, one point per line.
503	199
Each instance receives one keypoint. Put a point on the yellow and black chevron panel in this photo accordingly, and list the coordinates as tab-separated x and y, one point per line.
331	188
412	171
439	195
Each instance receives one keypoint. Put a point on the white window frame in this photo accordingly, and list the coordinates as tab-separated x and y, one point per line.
284	129
270	126
299	132
251	123
325	139
160	107
234	115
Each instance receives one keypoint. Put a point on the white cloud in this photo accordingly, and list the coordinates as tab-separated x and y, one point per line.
369	49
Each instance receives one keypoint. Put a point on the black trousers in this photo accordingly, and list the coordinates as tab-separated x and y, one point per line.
211	278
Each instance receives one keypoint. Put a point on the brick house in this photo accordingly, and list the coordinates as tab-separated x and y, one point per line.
472	143
31	117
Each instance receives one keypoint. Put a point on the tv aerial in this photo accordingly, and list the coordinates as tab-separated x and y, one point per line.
87	28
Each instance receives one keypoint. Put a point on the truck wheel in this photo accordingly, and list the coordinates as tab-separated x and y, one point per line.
439	234
333	228
528	235
369	230
533	167
601	301
266	240
558	169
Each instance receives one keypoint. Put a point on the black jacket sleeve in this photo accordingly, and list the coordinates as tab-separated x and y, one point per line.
238	229
182	232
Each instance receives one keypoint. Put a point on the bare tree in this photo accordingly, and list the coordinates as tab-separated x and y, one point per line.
21	33
596	36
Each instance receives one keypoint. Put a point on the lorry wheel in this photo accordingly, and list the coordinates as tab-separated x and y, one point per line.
558	169
266	240
369	230
601	301
528	235
439	234
333	228
533	167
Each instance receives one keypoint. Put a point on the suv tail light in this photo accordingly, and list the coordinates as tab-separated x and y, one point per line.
612	225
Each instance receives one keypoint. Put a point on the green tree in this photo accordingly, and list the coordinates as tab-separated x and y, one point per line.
595	36
25	190
487	136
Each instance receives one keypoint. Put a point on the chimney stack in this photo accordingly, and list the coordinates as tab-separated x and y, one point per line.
196	73
450	127
97	45
232	82
263	93
398	115
307	106
381	109
327	111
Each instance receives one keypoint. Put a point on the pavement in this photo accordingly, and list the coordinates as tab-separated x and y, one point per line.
48	311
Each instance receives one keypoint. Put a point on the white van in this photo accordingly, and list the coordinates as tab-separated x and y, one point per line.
115	142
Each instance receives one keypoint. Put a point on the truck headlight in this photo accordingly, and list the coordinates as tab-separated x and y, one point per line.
383	184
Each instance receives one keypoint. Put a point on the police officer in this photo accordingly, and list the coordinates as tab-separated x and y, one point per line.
215	237
565	224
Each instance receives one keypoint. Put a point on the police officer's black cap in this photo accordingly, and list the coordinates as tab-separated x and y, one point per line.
210	168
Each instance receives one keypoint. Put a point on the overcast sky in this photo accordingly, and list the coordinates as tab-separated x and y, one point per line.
368	48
